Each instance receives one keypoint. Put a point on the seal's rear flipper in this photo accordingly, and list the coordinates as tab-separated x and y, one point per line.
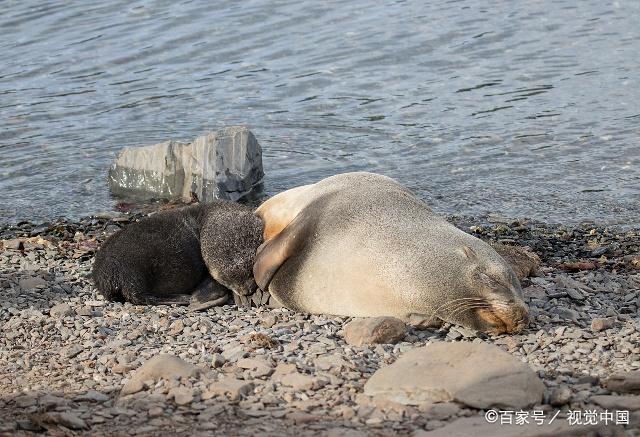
170	299
273	253
136	291
208	294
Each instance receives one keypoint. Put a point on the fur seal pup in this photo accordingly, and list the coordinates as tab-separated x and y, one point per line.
191	255
361	244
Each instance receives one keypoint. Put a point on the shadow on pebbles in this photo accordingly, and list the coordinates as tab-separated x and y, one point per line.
71	363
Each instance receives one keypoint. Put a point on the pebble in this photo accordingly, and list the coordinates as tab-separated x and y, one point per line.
374	330
232	388
299	381
72	351
85	311
268	320
61	310
217	360
258	367
566	313
441	411
600	324
66	419
182	395
92	396
560	396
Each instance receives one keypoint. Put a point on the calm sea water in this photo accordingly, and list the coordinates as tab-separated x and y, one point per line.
527	109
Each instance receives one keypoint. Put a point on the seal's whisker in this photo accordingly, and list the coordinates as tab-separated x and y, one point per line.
466	307
458	302
470	305
501	305
461	301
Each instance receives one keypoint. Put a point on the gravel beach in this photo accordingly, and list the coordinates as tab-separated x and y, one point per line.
66	354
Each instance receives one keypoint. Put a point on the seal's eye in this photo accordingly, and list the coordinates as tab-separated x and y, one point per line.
486	279
491	282
469	252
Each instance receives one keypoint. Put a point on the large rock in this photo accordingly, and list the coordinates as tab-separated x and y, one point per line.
478	426
226	164
374	330
165	366
624	382
614	402
475	374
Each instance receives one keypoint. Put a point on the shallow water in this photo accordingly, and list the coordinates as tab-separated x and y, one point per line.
527	109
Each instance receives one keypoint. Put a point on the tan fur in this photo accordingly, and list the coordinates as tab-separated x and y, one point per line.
360	244
281	209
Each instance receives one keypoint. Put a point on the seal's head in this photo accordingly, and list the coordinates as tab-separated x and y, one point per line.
488	296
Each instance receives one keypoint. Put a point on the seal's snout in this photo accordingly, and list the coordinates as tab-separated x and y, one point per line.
515	317
503	318
518	320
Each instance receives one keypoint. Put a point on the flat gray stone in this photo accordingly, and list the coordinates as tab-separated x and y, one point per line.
478	426
165	366
226	164
232	388
560	396
234	353
475	374
614	402
374	330
72	351
68	420
299	382
30	284
624	382
13	244
26	401
92	396
182	395
61	310
257	367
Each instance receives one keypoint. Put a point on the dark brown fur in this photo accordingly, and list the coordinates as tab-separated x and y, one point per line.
162	258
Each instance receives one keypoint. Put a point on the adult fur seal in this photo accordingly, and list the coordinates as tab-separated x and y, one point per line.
360	244
167	258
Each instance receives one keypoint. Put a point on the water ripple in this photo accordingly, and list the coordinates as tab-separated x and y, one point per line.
525	109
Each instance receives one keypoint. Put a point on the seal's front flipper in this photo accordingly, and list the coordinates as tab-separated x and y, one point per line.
273	253
208	294
280	210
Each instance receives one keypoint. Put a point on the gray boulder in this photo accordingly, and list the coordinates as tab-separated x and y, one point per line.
479	426
624	382
475	374
226	164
